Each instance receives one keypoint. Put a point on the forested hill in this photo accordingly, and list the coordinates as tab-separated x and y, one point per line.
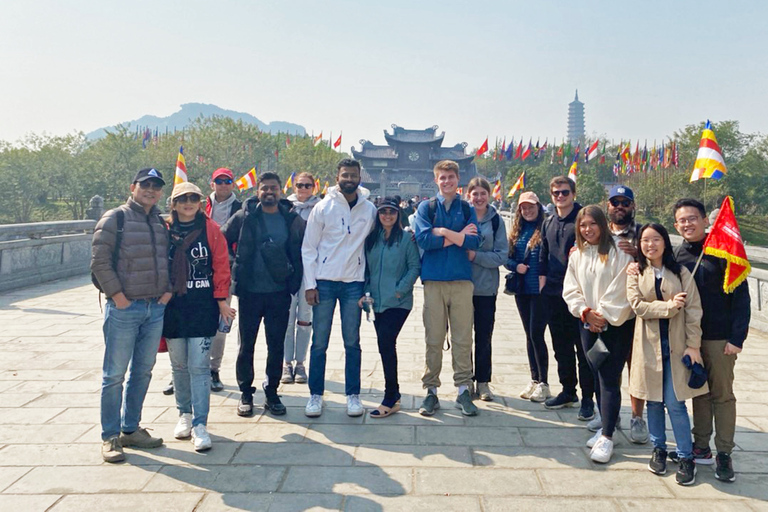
191	111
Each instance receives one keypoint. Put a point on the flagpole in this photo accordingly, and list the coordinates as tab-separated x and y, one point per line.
698	261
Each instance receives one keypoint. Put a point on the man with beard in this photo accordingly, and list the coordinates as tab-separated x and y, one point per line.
334	270
265	236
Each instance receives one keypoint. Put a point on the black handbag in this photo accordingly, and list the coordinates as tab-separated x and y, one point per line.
598	354
514	283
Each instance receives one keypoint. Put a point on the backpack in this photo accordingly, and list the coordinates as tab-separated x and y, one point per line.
120	216
465	208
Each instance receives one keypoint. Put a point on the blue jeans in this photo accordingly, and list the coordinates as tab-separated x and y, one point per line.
131	336
191	366
678	416
322	317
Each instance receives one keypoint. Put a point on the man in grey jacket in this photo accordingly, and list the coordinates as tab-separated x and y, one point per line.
137	290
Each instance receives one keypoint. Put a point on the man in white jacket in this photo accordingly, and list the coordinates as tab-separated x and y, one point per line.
334	269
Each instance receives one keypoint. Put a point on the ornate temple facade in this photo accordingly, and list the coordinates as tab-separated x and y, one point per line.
404	166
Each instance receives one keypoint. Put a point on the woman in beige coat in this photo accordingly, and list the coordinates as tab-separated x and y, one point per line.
666	301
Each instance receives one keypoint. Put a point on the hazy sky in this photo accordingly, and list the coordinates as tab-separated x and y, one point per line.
477	68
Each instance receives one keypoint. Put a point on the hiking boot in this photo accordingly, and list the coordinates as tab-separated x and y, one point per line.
724	470
429	405
464	402
354	406
216	384
201	440
528	391
587	410
168	390
638	430
686	472
184	427
287	377
314	406
484	392
300	374
140	439
602	450
245	405
562	400
274	405
541	393
112	450
658	463
702	456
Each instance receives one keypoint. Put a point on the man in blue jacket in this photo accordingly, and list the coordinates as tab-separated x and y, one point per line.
446	228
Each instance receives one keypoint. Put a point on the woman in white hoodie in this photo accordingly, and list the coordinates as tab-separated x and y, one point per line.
595	291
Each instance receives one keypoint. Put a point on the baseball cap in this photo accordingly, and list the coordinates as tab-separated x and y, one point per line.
389	202
148	174
528	197
222	171
621	191
185	188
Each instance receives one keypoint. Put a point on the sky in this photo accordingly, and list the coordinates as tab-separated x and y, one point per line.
475	68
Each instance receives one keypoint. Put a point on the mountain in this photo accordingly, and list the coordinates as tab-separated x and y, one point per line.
191	111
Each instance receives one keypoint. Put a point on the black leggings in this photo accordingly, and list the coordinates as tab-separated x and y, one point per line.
618	340
485	317
388	324
534	320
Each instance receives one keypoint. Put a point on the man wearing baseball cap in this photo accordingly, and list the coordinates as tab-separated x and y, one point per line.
137	287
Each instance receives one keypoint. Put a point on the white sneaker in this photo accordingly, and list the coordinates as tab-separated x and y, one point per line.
314	407
602	450
354	406
541	393
528	391
184	427
592	441
201	439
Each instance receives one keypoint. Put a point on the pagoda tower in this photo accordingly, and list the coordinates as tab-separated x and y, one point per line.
576	130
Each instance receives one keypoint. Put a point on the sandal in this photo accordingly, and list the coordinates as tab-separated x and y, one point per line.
383	411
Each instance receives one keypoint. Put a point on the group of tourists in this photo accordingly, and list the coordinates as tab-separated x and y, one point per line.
606	288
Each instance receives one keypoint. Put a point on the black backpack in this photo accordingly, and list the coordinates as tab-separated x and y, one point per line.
465	209
120	216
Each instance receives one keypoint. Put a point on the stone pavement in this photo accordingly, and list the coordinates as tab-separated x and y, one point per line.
514	456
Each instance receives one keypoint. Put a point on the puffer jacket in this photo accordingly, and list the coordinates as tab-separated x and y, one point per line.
303	208
333	247
142	265
491	254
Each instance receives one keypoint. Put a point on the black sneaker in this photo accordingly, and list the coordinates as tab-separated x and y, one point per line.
429	405
587	409
724	470
245	406
562	400
658	463
703	456
674	457
168	390
216	384
274	405
686	472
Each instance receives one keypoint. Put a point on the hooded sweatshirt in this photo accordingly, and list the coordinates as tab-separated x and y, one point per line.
558	236
491	254
303	208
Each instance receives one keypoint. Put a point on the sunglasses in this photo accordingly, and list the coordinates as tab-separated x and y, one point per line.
187	198
154	185
387	211
304	185
223	181
626	203
564	193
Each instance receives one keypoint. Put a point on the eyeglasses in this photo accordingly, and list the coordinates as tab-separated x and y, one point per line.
154	185
187	198
626	203
564	193
687	220
387	211
304	185
223	181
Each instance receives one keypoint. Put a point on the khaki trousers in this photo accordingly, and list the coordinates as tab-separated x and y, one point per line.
448	305
720	403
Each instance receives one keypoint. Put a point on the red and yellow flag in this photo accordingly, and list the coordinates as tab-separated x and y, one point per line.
317	139
519	185
724	241
483	148
181	168
709	160
247	181
337	143
316	190
497	191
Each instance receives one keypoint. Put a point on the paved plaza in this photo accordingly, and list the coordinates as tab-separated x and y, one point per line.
515	455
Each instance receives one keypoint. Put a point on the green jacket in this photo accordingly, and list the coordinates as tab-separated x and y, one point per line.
390	270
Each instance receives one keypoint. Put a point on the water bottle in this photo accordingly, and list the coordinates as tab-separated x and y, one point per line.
224	324
368	307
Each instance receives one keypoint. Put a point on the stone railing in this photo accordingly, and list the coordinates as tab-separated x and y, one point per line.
43	251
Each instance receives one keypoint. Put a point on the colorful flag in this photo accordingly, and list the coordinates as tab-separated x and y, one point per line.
527	151
503	151
316	190
181	168
338	142
591	154
289	183
724	241
709	160
325	188
675	154
247	181
519	185
519	152
536	150
497	191
317	139
460	191
574	170
602	157
510	150
483	147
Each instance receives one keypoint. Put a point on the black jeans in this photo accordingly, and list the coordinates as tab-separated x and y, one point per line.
618	340
534	320
274	309
485	317
566	342
388	324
